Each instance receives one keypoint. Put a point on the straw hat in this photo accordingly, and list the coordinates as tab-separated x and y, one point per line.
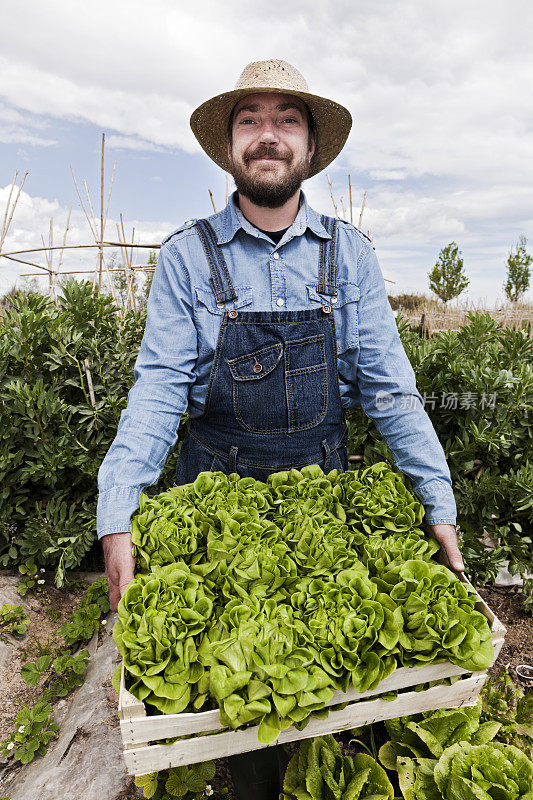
209	121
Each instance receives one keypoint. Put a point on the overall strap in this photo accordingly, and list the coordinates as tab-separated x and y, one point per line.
327	268
220	279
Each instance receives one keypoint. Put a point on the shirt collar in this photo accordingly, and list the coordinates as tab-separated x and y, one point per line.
230	219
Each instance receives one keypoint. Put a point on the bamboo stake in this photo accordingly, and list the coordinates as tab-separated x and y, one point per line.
332	198
84	211
343	208
29	263
212	201
143	267
2	235
350	188
101	215
89	382
5	227
77	247
227	188
362	209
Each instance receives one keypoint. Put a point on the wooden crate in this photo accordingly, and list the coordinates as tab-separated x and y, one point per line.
138	729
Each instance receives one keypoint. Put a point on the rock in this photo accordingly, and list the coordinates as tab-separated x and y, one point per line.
86	761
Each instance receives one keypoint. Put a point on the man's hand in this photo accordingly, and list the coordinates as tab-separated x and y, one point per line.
446	535
119	564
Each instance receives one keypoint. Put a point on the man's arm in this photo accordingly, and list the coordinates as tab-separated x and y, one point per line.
148	427
387	388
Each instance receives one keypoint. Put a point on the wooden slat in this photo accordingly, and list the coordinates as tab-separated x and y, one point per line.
166	725
142	760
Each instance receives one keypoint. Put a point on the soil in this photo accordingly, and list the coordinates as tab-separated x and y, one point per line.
47	610
507	603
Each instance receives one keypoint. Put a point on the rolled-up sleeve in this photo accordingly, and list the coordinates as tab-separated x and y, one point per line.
388	394
164	371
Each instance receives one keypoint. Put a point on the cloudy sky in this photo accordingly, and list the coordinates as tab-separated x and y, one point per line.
440	93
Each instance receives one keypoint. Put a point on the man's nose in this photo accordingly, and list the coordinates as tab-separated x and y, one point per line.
268	133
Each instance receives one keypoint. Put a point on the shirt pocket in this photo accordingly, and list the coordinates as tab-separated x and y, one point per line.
345	312
208	314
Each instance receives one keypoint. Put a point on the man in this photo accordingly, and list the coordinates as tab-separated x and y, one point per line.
267	321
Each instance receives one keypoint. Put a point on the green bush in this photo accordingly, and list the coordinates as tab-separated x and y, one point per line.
53	440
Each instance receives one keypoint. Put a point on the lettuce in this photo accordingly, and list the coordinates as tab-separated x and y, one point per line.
266	597
319	771
465	771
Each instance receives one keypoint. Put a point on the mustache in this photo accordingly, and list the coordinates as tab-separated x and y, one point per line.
265	152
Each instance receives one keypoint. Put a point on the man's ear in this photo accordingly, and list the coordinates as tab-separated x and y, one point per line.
312	148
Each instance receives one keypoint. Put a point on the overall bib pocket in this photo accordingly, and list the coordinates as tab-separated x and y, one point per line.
281	389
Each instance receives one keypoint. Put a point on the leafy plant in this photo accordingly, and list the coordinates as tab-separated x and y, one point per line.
86	619
504	701
269	597
187	782
13	620
491	771
34	728
427	735
63	674
319	771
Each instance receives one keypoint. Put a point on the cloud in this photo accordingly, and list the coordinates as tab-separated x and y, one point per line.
22	128
439	93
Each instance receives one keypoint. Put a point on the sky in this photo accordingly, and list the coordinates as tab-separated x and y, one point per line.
440	95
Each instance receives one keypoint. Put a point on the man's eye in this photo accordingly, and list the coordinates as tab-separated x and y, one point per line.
245	120
290	119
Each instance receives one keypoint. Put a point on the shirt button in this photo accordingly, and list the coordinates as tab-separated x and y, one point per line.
275	255
280	301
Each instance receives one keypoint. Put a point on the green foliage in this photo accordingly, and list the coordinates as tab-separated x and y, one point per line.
34	728
504	701
269	597
518	271
62	675
52	439
427	735
30	580
319	771
86	619
478	386
447	278
187	782
528	592
13	621
491	771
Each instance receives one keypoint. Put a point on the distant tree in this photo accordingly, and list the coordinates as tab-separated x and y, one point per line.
447	279
518	271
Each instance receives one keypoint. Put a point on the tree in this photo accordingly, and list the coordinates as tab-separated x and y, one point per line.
518	271
447	278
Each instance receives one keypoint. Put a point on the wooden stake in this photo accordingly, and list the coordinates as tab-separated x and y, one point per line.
362	209
89	382
332	198
351	207
212	201
101	215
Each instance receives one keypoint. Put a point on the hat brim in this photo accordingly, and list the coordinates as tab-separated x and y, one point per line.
209	123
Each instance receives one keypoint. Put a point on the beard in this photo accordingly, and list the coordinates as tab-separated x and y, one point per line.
267	189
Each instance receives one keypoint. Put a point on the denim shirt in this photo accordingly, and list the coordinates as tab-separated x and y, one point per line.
183	321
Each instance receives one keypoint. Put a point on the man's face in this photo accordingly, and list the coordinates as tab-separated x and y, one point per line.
269	155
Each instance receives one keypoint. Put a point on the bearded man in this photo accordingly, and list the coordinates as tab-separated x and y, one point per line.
266	321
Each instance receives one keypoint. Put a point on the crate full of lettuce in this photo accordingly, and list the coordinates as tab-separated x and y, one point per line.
273	611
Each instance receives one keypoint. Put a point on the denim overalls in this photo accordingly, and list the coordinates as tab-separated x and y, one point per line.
273	402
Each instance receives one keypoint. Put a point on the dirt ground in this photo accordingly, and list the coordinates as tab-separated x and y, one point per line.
506	602
46	611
